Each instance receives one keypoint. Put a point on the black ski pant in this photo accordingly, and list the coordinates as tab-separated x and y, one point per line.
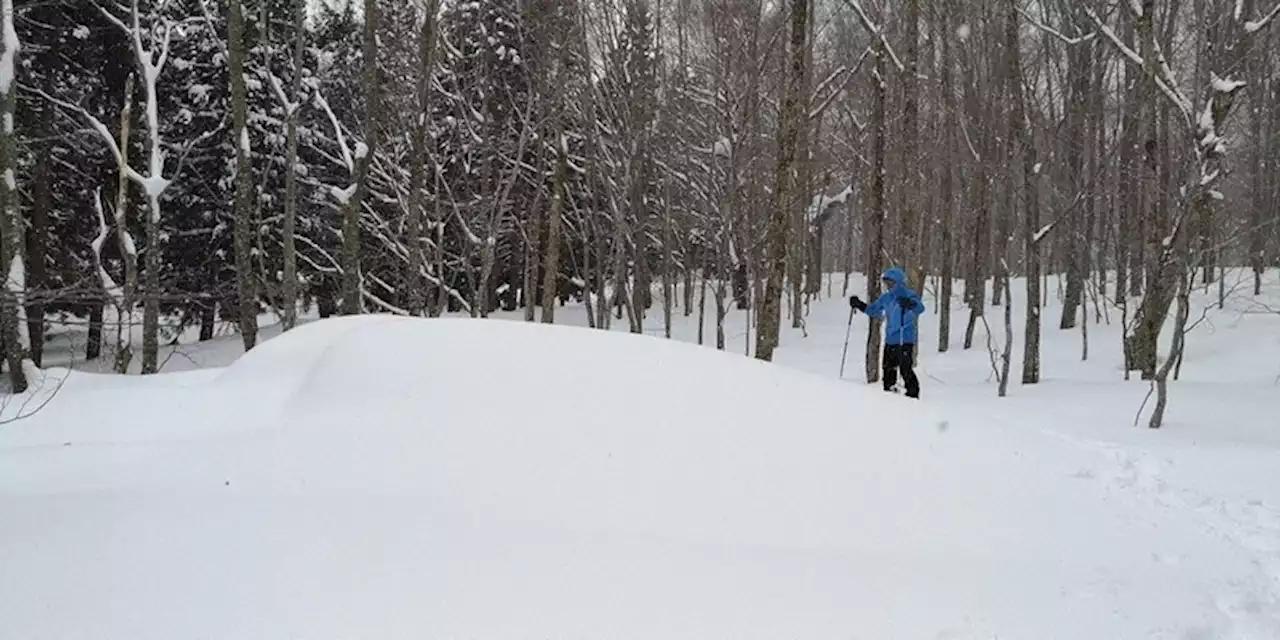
899	358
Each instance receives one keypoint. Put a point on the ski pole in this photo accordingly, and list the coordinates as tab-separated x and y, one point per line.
843	354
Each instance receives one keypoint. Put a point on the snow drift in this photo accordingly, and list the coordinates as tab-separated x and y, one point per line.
377	477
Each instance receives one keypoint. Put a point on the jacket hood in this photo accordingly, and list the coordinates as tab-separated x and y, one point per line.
895	275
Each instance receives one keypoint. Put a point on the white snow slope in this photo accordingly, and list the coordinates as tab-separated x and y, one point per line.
376	477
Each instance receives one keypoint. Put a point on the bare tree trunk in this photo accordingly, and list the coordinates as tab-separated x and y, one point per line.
722	310
1161	378
801	188
416	265
1128	199
124	242
13	330
531	251
151	280
687	292
37	251
1078	74
850	242
793	115
289	283
1007	355
910	239
1018	119
246	292
1258	100
877	216
93	342
1006	185
702	306
439	221
980	235
602	282
352	290
975	282
551	265
668	261
950	121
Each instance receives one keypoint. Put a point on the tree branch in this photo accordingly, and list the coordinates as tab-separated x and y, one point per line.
1254	26
875	32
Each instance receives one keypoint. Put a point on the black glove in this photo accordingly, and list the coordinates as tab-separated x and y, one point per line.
906	303
857	303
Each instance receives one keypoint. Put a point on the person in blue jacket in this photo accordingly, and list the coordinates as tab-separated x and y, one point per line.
901	307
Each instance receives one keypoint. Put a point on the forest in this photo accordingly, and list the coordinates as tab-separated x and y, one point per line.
180	163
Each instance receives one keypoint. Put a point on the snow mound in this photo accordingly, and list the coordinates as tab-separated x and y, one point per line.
404	478
448	364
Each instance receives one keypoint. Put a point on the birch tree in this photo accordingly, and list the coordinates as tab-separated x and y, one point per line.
13	322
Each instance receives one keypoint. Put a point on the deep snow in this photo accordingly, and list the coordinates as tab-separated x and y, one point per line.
381	477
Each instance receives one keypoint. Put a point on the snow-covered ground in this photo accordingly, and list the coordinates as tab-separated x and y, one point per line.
377	477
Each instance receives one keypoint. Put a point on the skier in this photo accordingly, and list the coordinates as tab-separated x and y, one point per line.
902	306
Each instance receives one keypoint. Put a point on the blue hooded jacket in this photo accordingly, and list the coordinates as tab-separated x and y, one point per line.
900	325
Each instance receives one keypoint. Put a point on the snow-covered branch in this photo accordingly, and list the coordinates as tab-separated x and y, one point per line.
113	290
845	75
1163	79
1054	32
876	32
97	126
1254	26
348	158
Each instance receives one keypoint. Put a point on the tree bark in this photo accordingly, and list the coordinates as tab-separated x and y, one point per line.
151	280
352	291
910	236
1078	74
416	266
1019	121
93	342
37	250
551	265
950	122
124	242
980	236
793	115
801	194
877	215
246	292
1258	200
12	330
1006	355
289	285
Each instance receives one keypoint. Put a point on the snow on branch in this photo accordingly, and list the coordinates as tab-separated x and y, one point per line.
347	157
1225	86
1163	79
1054	32
875	32
97	126
277	87
848	74
113	290
1253	26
